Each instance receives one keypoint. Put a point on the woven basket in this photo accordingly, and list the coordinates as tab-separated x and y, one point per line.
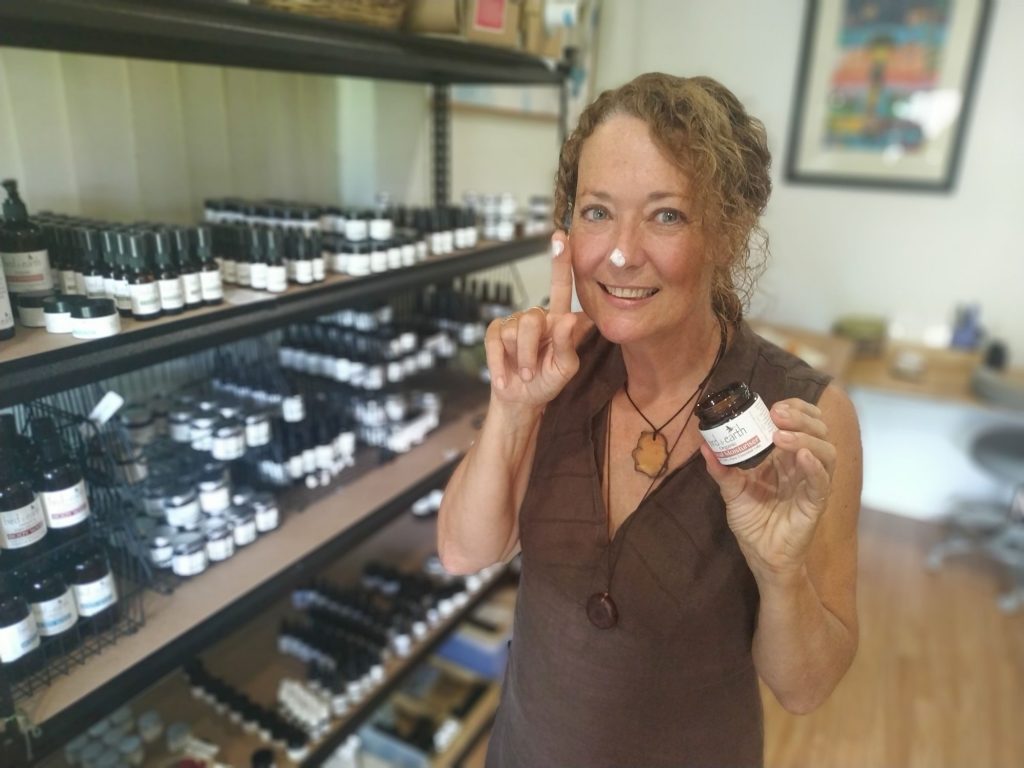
375	13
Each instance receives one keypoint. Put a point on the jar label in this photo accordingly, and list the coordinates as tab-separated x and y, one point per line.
6	315
744	436
96	596
220	549
293	409
22	527
215	500
210	285
55	616
18	639
67	507
190	564
171	296
145	298
185	516
191	283
28	271
245	533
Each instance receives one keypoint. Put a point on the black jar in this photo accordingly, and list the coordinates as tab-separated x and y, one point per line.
19	637
95	590
736	423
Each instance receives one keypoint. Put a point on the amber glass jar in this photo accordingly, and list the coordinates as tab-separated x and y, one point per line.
736	424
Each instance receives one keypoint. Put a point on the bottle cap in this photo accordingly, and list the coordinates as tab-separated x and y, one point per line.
93	308
14	206
138	251
273	240
163	253
202	240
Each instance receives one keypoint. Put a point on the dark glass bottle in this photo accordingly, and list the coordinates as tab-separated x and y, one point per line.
93	269
95	590
142	283
209	276
22	522
52	603
277	272
19	637
23	252
6	311
189	268
172	298
59	484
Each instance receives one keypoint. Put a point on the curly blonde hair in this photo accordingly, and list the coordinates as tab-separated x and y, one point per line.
721	149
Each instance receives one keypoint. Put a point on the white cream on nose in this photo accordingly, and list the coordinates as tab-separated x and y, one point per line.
617	258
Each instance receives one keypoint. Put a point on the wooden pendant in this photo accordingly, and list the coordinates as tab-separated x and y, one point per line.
651	454
601	610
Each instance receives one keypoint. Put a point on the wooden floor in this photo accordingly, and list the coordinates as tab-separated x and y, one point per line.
939	678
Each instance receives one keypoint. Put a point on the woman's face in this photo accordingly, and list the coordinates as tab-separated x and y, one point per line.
631	197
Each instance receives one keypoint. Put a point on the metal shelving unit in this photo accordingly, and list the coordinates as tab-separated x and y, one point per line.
221	33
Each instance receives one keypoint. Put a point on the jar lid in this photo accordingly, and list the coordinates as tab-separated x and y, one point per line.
159	542
216	528
204	422
241	515
129	745
94	308
33	299
230	411
211	483
180	496
263	501
61	305
257	417
180	414
227	428
242	495
135	415
188	543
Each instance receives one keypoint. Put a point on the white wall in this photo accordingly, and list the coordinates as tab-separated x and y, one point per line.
130	139
909	256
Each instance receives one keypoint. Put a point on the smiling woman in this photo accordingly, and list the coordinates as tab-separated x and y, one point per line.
657	583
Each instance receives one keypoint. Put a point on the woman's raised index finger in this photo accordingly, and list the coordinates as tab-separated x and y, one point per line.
560	298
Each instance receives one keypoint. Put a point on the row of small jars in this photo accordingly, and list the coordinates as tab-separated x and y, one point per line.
190	527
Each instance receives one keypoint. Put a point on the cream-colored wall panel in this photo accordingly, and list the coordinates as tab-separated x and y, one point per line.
317	159
243	92
208	157
160	142
10	160
40	128
103	146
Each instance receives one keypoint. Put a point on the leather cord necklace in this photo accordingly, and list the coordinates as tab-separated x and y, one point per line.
650	457
602	611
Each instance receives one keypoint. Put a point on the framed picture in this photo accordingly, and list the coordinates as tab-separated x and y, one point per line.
884	91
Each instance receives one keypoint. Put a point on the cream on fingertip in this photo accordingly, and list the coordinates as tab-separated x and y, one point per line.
557	247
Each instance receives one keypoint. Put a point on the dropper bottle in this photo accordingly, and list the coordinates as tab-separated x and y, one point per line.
210	274
172	299
189	268
122	291
92	262
26	261
142	283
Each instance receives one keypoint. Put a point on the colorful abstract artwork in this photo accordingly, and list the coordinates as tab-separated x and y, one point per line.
883	91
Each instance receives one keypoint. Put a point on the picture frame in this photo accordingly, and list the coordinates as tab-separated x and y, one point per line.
884	90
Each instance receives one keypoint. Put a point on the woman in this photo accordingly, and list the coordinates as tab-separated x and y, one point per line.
657	584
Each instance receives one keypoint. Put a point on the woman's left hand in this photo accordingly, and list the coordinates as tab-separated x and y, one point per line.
774	508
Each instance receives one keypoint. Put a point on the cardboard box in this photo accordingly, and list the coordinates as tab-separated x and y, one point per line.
493	22
536	39
437	17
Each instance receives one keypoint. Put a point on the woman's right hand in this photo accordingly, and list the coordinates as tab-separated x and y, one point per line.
531	355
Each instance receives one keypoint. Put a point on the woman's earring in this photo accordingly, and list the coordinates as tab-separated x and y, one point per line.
617	258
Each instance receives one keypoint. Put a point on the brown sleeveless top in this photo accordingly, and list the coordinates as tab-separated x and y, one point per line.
673	683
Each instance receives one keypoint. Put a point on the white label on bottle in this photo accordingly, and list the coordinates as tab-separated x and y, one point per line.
94	286
744	436
67	507
211	286
109	287
28	271
243	273
229	270
96	596
171	296
79	283
319	268
145	298
18	639
293	409
6	315
123	295
303	271
68	284
55	616
23	526
277	278
191	283
258	276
